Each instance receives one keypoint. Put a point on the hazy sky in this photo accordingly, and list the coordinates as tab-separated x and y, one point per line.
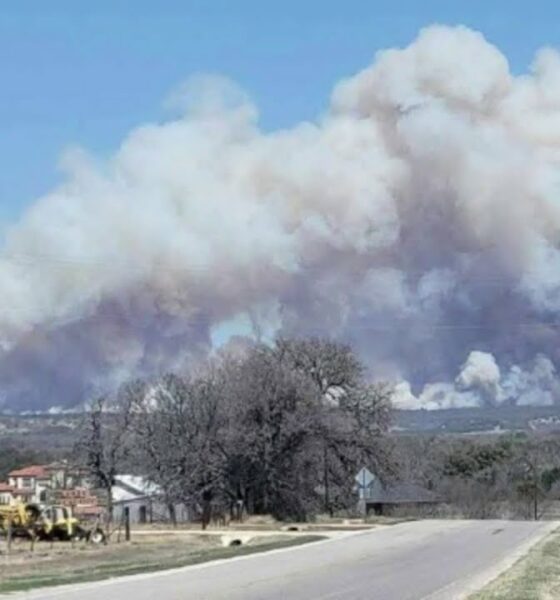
86	72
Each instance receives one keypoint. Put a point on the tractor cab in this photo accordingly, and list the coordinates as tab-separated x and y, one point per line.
58	522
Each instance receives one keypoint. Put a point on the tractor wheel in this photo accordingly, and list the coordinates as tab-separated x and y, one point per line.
97	536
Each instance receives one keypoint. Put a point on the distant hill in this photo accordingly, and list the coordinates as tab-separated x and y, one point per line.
58	433
478	420
53	433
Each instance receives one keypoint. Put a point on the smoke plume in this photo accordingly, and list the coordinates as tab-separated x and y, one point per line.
418	219
480	383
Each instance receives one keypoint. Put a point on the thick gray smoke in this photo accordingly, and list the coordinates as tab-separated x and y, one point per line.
418	219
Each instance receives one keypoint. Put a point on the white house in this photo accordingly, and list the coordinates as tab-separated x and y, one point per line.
141	501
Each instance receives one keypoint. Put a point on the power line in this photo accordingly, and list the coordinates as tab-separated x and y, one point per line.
114	264
208	320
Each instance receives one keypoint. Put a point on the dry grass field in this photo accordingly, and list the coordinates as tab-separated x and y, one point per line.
60	562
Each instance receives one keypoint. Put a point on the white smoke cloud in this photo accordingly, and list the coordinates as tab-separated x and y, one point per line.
480	383
434	396
538	385
417	219
480	373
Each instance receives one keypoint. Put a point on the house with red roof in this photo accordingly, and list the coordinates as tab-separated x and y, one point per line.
58	483
29	484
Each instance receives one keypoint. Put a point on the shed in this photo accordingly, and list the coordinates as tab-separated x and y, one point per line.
384	499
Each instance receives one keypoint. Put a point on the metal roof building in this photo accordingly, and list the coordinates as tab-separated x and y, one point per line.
383	498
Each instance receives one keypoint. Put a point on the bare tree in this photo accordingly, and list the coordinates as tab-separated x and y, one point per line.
534	469
311	420
276	410
333	367
353	414
274	430
178	444
104	444
153	429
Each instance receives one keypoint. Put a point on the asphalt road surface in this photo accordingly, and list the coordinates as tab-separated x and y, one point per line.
439	560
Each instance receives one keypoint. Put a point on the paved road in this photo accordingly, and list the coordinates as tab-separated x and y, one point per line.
438	560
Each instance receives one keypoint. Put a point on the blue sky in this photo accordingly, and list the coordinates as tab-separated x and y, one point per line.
80	72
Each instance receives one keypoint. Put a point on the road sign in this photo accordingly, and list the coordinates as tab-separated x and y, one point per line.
365	478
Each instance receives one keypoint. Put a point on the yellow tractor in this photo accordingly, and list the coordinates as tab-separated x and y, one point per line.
50	522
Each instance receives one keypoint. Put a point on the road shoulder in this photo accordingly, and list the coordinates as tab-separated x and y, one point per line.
503	580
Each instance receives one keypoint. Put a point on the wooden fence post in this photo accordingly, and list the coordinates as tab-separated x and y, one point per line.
9	536
127	526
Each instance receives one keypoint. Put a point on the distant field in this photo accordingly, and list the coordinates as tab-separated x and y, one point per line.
58	433
488	420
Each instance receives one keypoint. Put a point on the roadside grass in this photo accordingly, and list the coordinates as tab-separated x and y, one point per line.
536	576
381	520
128	559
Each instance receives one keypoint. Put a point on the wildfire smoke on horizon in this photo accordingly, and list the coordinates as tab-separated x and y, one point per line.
417	219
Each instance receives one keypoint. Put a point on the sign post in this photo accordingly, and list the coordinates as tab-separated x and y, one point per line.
364	478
